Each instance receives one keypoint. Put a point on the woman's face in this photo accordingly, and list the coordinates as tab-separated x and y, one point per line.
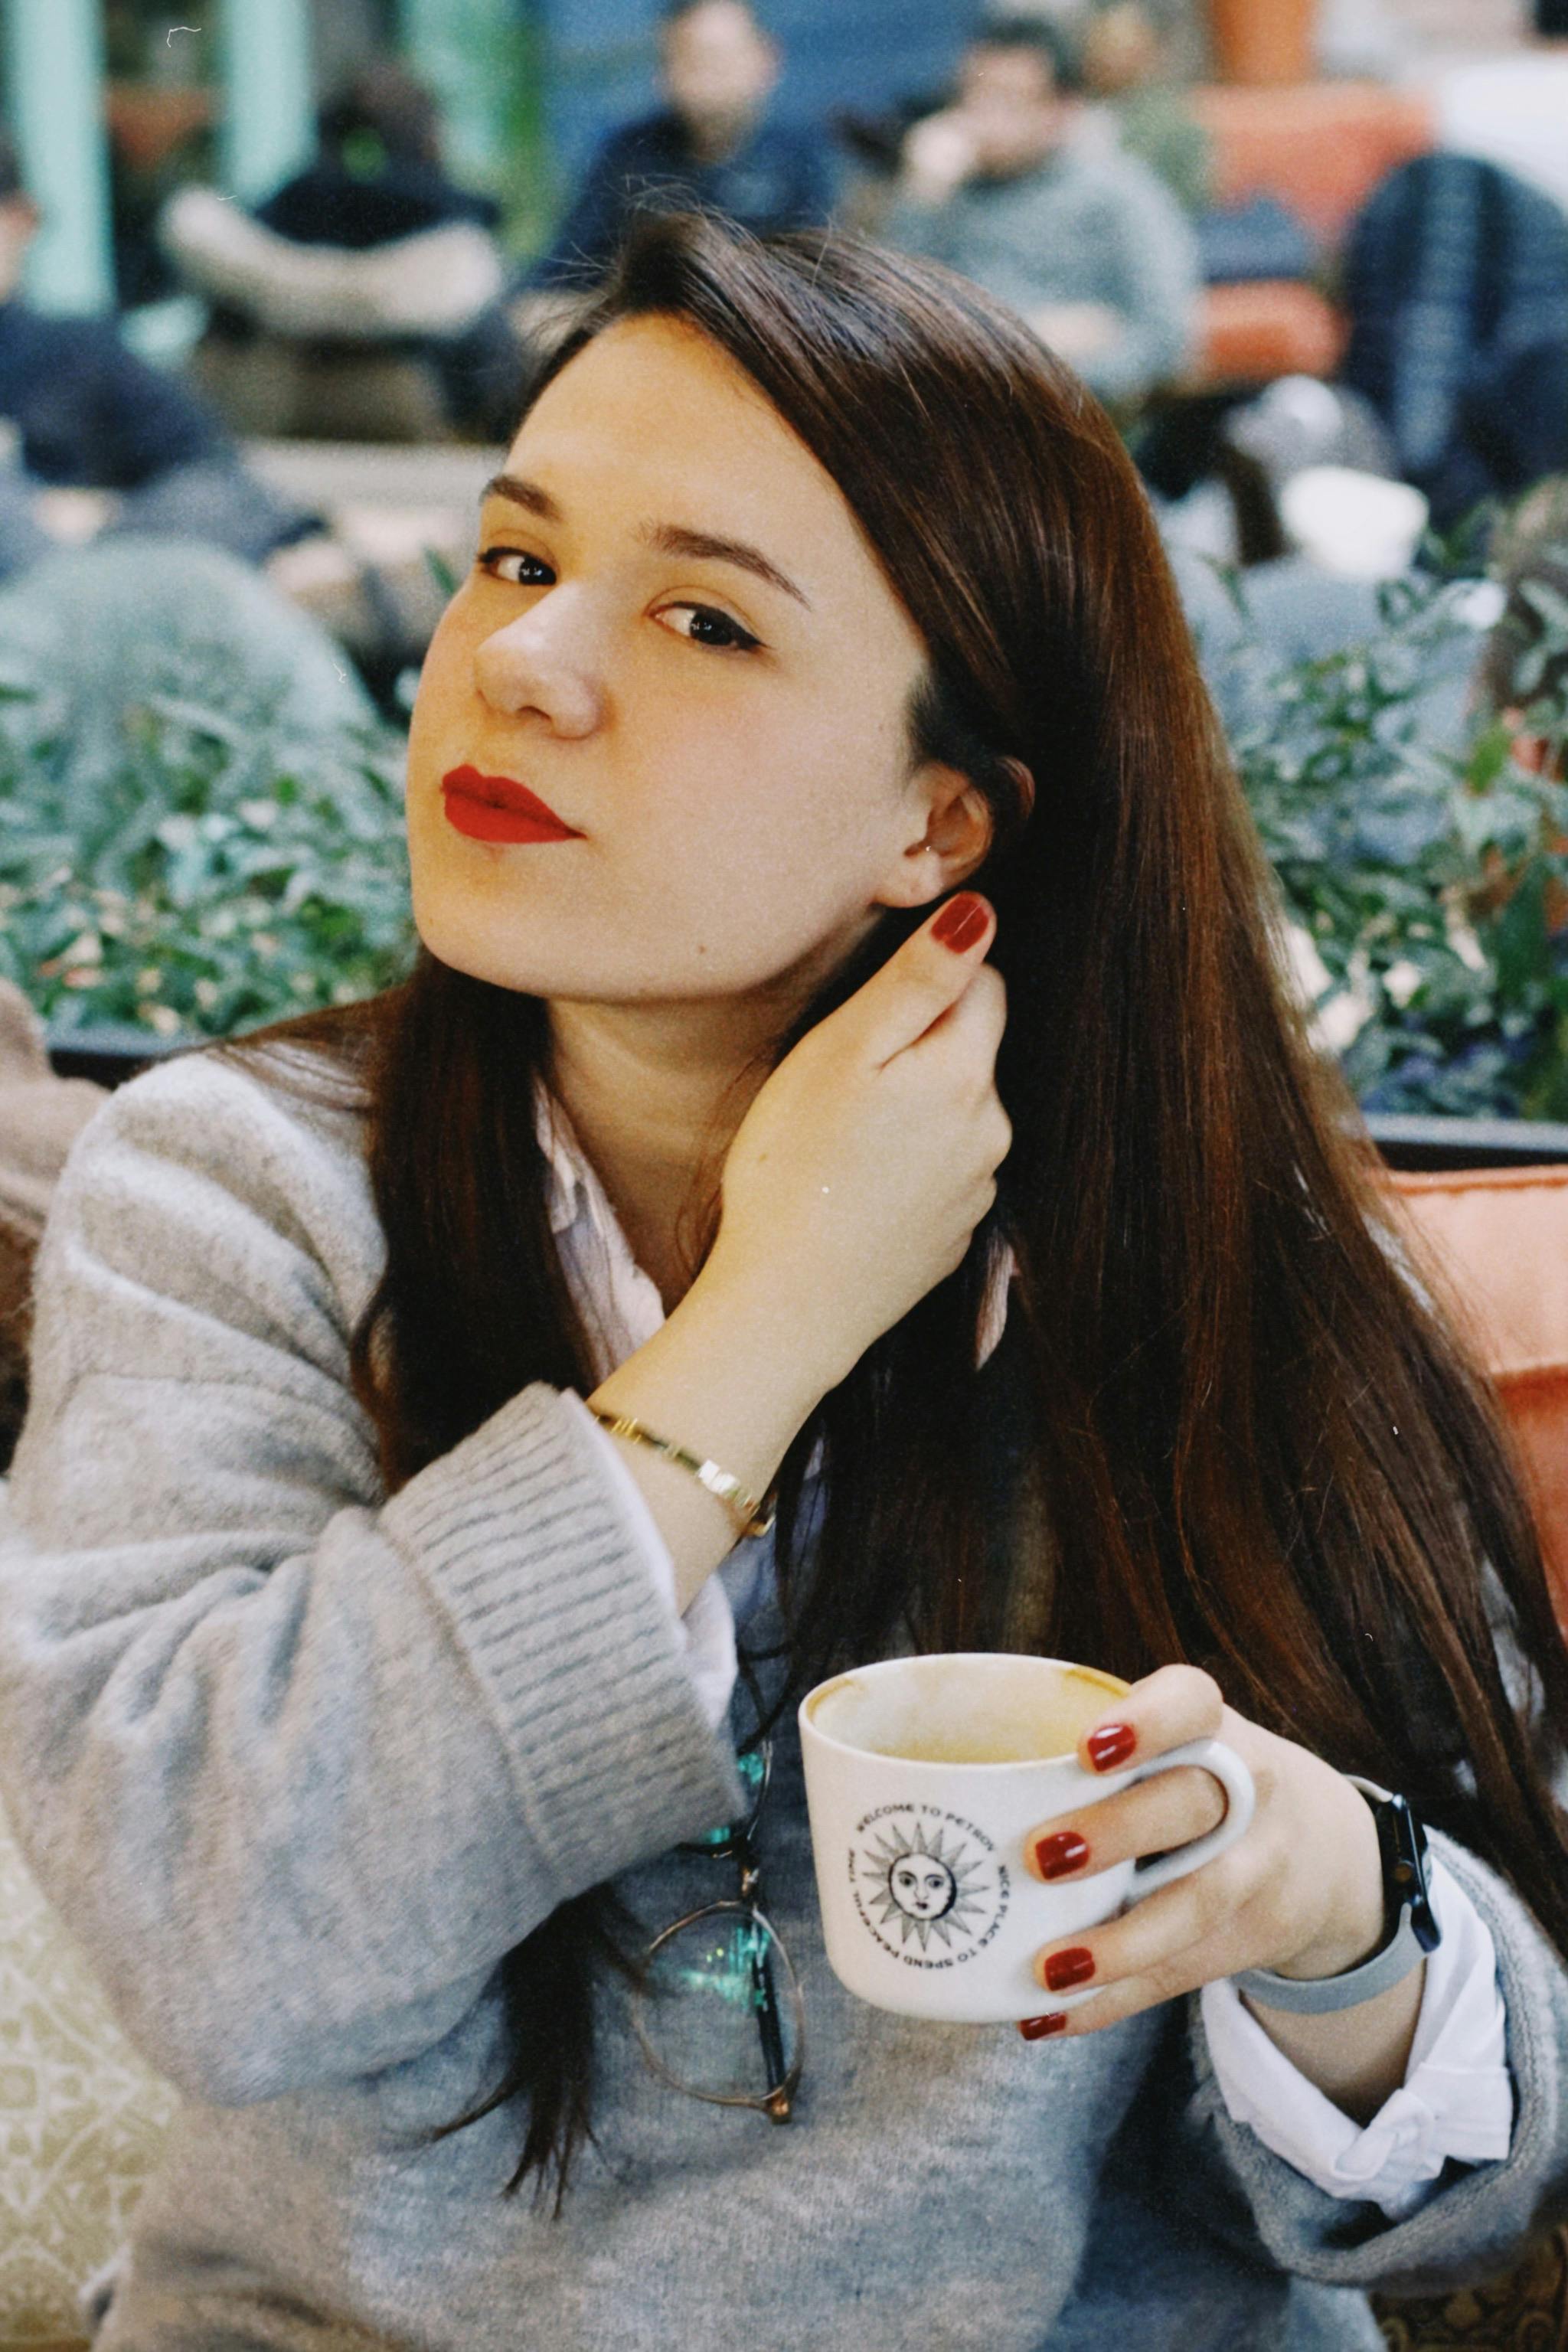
676	636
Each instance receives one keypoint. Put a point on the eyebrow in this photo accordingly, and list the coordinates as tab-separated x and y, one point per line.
667	537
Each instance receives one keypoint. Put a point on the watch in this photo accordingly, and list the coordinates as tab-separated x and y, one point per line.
1412	1929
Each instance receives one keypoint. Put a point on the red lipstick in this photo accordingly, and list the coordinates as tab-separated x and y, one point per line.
497	808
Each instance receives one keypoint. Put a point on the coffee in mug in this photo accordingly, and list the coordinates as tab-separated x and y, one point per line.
924	1777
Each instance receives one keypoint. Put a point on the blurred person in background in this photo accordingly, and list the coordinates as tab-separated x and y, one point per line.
1088	244
80	412
363	297
1127	72
1138	105
97	446
1455	279
712	146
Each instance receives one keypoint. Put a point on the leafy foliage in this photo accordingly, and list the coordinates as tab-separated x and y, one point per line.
216	875
1429	873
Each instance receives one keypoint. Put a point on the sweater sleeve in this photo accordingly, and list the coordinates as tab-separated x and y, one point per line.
297	1764
1480	2216
1152	261
1456	2099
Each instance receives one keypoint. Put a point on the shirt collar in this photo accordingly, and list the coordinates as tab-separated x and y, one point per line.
563	1156
574	1189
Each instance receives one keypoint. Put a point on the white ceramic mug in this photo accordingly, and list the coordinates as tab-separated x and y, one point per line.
923	1778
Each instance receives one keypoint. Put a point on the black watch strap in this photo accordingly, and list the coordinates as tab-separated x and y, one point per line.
1412	1924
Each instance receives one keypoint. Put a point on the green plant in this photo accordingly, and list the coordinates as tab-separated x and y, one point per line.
210	872
214	873
1424	862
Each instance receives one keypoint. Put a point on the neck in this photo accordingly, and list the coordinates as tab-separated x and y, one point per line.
655	1090
655	1094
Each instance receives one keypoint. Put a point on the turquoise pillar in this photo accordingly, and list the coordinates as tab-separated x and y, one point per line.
268	129
472	55
54	68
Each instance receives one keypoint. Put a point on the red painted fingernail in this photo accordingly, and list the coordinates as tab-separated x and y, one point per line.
960	921
1055	1857
1032	2028
1064	1968
1112	1744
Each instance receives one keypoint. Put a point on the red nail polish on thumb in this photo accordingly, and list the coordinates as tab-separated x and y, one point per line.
960	921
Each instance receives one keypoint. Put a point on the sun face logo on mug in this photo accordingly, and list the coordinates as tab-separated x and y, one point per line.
921	1885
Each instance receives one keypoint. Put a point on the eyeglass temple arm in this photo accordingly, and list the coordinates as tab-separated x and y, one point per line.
769	2026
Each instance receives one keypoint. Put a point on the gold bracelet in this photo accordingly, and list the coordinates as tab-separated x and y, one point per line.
718	1482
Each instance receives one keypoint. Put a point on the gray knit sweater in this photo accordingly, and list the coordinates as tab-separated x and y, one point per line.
297	1765
1081	227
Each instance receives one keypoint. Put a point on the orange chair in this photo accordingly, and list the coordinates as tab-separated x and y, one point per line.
1263	328
1321	148
1499	1237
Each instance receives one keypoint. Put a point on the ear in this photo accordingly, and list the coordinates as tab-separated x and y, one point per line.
958	833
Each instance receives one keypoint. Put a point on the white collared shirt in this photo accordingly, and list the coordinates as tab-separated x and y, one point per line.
1457	2099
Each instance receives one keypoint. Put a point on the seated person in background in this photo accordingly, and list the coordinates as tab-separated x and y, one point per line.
371	251
1089	247
97	446
81	413
710	147
1138	106
1126	72
1454	281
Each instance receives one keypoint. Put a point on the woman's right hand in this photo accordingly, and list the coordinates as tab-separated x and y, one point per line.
856	1180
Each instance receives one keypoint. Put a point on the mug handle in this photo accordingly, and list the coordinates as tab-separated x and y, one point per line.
1228	1769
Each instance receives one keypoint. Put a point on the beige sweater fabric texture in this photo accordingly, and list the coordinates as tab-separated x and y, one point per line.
298	1764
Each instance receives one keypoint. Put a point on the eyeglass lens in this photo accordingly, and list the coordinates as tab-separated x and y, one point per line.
723	2016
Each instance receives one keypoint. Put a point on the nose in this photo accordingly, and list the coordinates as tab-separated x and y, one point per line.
544	662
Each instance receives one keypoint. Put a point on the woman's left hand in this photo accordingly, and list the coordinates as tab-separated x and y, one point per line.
1300	1893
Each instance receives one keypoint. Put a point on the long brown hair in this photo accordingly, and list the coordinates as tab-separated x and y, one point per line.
1244	1440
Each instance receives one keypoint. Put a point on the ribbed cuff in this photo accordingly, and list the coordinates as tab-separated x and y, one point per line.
707	1629
522	1535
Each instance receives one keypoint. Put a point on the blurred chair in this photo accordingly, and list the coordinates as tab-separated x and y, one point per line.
1500	1238
1318	149
1322	147
1259	328
82	2119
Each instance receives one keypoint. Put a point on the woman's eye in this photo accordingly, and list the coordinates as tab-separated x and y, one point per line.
529	573
710	627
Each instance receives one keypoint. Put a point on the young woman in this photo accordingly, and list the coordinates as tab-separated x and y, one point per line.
369	1707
